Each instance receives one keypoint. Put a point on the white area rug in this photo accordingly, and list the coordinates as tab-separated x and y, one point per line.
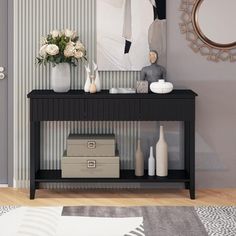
118	221
47	221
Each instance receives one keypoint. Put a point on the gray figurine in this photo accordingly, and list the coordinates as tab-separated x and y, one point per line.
154	72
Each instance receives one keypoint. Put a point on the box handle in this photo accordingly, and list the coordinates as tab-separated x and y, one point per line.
91	164
91	144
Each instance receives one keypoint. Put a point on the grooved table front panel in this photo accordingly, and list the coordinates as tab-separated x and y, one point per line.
46	105
111	109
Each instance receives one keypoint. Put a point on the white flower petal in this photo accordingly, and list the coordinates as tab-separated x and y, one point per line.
52	49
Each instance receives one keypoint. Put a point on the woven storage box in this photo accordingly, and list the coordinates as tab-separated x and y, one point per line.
91	145
90	167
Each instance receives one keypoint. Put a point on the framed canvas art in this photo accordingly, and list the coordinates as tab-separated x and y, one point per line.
127	30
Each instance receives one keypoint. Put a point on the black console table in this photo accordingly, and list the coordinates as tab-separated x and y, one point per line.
46	105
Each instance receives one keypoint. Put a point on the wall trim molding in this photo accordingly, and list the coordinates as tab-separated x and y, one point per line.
3	185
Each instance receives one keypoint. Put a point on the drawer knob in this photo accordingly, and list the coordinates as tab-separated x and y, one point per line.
91	144
91	164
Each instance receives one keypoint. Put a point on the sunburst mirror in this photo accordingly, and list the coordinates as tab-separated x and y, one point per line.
209	26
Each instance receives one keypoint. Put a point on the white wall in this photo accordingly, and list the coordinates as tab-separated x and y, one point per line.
216	109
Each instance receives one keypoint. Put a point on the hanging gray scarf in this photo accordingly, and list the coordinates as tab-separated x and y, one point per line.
127	27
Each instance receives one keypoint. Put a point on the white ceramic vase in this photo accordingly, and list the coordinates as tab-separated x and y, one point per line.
98	82
88	81
161	87
161	155
151	163
139	161
92	88
97	78
60	78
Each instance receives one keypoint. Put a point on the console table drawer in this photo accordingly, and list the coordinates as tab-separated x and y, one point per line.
57	109
112	109
167	109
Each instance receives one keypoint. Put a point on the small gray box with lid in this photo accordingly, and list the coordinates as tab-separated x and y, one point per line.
91	156
91	145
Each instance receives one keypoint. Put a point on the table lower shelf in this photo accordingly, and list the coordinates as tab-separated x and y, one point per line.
126	176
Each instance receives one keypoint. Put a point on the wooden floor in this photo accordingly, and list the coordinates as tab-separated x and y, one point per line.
9	196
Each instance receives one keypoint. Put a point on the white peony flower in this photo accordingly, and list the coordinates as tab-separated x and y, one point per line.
43	51
52	49
70	34
79	46
69	50
55	33
78	54
71	44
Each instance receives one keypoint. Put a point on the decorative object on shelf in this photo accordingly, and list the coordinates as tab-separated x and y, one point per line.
91	156
154	72
60	78
142	86
139	161
161	87
210	35
161	155
92	88
122	91
113	90
61	49
91	145
90	167
88	81
151	163
97	78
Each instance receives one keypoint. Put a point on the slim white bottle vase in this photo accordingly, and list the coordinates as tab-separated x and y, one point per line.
161	155
88	81
151	163
97	78
139	161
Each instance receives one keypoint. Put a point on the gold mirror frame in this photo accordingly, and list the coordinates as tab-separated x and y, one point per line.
199	43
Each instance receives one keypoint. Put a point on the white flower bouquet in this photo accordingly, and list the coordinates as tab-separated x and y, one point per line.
61	47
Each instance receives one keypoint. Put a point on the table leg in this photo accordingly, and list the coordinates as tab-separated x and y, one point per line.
186	150
34	155
189	153
192	159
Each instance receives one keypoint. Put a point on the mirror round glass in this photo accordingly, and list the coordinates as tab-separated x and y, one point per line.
215	22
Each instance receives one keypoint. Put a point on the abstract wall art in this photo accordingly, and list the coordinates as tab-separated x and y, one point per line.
127	30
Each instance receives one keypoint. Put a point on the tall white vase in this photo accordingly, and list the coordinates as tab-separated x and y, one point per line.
60	78
98	82
161	155
97	78
88	81
151	163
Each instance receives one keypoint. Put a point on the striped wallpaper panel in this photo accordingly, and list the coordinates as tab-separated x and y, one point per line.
36	18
